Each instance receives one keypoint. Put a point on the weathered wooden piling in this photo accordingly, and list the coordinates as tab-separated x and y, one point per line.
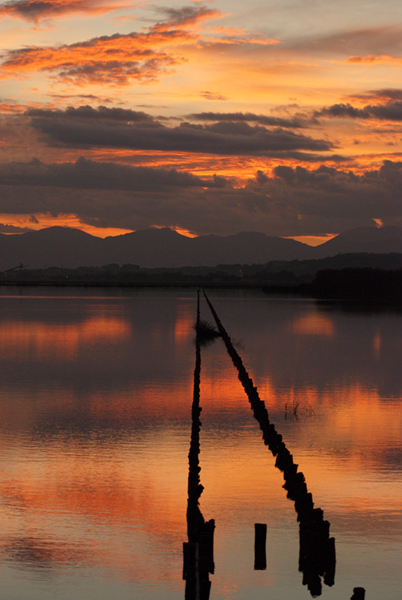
358	593
317	557
198	558
260	542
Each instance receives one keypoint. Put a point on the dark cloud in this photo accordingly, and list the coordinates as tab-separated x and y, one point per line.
291	201
87	97
343	194
390	111
13	229
37	10
184	16
87	112
116	72
223	137
296	122
213	96
381	94
88	174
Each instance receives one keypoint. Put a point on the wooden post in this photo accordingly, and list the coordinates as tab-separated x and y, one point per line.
358	593
260	558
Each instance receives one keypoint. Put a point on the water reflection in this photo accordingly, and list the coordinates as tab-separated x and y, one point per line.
313	324
90	506
33	552
59	341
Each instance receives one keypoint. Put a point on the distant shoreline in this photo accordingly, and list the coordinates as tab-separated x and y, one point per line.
368	286
112	284
356	277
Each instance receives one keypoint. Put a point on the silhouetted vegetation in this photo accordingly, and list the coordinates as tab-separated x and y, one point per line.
275	276
205	331
364	285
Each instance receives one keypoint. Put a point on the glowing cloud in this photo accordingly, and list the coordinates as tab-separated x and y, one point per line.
371	60
111	60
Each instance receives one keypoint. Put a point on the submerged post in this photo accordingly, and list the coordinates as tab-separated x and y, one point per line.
358	593
260	540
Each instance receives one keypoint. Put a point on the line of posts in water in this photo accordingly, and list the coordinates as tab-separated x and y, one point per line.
317	549
198	551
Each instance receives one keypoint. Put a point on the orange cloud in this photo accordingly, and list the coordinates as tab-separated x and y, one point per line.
313	240
371	60
114	60
381	95
120	58
11	107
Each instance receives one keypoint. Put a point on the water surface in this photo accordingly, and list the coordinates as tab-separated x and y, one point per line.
95	405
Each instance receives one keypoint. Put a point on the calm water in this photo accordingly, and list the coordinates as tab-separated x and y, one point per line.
95	406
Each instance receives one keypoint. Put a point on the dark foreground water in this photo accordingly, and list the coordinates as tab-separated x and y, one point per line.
95	421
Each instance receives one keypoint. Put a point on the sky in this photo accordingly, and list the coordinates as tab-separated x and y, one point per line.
208	117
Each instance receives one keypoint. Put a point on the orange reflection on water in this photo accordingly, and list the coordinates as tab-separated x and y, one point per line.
314	324
47	340
108	503
184	324
346	434
136	480
377	344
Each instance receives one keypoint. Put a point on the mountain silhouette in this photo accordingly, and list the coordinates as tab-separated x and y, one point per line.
376	240
152	248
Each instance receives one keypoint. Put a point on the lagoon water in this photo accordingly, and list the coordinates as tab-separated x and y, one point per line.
95	420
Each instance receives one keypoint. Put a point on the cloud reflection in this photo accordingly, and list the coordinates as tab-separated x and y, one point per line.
55	341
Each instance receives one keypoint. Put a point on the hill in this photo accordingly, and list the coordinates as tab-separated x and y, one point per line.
151	248
376	240
164	248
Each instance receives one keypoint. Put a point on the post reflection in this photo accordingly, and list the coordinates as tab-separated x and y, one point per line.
198	561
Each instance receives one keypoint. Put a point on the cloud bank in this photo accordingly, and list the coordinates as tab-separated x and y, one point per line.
292	201
111	128
296	122
390	111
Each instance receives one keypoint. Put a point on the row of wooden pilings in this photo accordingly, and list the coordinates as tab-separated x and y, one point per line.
198	553
317	549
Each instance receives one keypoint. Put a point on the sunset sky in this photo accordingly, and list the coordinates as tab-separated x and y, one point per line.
283	117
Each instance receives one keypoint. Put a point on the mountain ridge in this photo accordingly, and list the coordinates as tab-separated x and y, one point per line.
165	248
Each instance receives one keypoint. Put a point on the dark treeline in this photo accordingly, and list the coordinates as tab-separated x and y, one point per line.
368	285
282	276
